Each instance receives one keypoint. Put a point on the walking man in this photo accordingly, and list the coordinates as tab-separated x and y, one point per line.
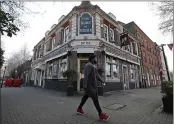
90	87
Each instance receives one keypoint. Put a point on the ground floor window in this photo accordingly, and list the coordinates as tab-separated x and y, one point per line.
63	66
50	71
115	71
112	67
108	69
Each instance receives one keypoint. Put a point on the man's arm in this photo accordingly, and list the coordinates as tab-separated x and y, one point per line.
99	77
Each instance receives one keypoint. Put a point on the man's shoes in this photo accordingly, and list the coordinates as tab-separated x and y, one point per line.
80	111
104	116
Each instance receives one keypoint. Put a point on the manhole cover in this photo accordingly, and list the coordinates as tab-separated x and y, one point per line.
115	106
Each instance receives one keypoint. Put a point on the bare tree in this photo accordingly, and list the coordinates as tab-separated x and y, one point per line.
11	14
164	10
17	59
1	57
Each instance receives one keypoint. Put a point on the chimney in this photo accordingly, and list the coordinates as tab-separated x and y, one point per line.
112	16
85	4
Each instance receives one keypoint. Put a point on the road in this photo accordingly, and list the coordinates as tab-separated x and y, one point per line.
30	105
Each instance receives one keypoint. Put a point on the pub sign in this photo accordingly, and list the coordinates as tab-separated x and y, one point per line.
85	24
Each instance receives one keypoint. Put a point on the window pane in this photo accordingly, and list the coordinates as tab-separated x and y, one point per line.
107	59
108	70
115	71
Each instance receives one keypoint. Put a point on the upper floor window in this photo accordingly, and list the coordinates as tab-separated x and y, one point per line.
134	48
105	32
111	34
53	42
66	30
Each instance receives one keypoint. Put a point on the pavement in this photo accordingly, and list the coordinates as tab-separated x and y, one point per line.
30	105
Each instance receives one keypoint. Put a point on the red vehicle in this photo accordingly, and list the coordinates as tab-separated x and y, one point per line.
17	83
8	83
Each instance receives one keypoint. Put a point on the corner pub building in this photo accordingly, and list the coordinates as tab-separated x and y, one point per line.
85	30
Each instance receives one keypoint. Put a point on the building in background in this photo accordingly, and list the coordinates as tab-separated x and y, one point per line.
150	57
86	30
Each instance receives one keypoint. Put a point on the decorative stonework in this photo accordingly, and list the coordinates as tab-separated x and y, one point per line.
118	52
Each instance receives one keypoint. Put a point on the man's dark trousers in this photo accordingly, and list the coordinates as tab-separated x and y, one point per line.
94	95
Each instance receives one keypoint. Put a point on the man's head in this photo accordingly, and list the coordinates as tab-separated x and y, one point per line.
92	59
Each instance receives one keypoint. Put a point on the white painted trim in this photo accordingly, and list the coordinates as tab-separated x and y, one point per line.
121	58
102	39
56	56
85	50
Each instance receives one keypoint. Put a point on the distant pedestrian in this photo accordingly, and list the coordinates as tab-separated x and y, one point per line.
91	77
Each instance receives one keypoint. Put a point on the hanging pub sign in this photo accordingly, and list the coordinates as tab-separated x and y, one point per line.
85	24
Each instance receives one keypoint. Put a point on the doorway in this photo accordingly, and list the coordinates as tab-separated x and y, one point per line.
125	77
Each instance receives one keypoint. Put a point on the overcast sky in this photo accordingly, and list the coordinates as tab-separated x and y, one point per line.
139	12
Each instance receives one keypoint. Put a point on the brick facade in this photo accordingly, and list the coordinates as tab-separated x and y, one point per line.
150	56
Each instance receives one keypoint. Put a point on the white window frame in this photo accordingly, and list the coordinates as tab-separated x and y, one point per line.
112	34
66	35
104	31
